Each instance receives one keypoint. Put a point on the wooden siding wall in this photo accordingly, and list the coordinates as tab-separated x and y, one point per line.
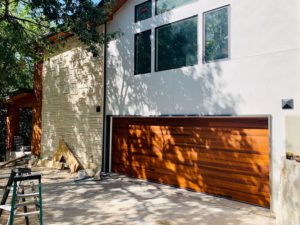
27	100
37	110
222	156
23	100
12	123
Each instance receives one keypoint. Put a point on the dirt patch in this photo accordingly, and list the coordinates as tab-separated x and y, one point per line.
163	222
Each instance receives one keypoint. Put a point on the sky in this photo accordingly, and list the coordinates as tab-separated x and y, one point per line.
96	1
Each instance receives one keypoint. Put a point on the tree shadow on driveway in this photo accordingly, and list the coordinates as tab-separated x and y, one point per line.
121	200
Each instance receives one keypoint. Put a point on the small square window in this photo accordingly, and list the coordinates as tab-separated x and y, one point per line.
167	5
216	33
142	52
176	44
143	11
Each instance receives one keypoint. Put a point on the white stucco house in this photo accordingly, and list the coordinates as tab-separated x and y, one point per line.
250	69
188	83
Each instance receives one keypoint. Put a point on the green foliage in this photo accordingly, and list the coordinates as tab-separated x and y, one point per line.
25	23
16	52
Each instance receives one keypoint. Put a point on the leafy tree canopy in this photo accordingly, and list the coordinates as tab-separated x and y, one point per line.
25	23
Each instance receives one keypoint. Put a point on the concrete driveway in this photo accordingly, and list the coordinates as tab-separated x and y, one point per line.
119	200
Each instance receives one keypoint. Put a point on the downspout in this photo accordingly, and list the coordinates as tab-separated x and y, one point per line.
104	152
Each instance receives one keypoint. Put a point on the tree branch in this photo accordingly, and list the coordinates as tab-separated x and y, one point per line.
27	21
6	11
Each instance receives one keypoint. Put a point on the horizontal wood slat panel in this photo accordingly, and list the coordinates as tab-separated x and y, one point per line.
194	153
217	155
235	176
184	148
163	144
150	162
239	195
206	179
178	130
201	122
189	136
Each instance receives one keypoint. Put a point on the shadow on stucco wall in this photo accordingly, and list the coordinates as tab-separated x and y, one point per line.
198	89
140	149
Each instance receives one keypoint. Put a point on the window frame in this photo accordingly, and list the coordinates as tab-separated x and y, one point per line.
229	34
155	42
135	10
135	50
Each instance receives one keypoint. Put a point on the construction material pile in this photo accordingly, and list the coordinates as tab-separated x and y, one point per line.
62	158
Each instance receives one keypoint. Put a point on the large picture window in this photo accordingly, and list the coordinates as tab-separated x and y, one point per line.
166	5
143	11
176	44
142	53
216	31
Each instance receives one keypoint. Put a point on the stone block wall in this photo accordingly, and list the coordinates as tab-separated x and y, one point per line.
289	197
72	90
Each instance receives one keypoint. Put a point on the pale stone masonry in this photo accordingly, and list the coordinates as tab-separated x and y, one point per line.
72	90
289	194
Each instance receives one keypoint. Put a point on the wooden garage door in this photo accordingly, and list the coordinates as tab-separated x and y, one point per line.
226	156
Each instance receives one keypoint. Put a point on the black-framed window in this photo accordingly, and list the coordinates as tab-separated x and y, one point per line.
162	6
143	11
142	52
176	44
216	34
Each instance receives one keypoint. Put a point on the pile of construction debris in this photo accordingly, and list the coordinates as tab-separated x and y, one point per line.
19	161
63	159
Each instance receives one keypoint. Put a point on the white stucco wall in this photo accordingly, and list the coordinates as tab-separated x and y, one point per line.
72	89
292	129
263	69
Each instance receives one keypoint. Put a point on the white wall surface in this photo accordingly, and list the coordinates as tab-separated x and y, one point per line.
292	129
263	69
